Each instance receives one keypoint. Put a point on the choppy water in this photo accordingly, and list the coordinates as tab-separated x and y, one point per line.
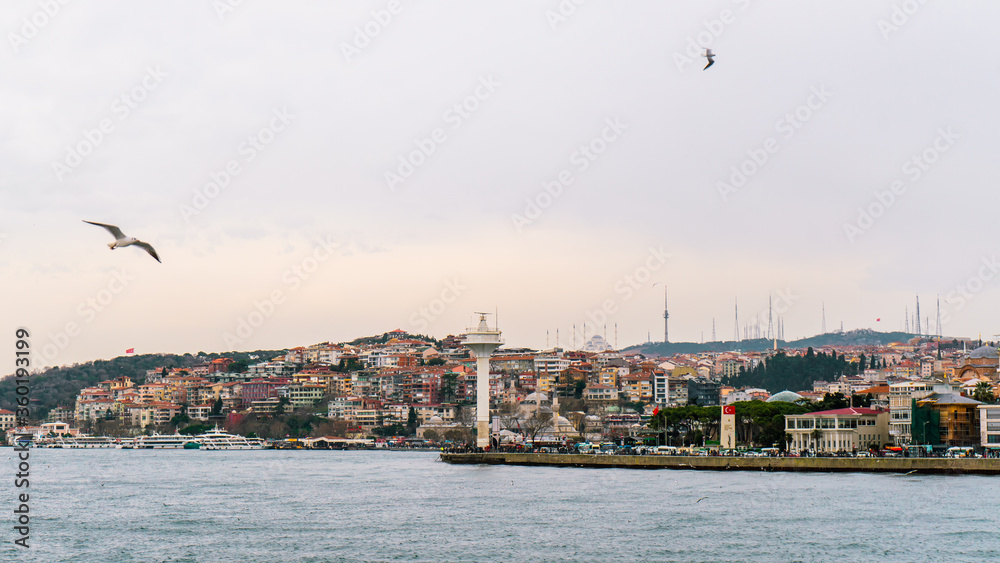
189	505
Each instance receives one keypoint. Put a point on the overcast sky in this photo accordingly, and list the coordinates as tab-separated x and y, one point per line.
314	171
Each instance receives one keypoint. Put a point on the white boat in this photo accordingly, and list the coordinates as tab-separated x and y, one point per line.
220	440
163	442
90	442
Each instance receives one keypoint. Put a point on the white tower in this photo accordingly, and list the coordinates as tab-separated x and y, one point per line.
482	341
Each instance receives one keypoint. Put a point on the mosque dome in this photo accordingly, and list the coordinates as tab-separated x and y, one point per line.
784	397
435	420
984	352
536	398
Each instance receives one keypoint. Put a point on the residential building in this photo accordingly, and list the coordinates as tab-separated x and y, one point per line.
703	391
901	395
957	417
839	430
597	396
7	420
989	426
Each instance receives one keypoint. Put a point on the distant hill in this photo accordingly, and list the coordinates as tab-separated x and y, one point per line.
385	337
59	386
862	337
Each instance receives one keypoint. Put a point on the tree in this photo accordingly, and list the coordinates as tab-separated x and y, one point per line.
217	407
196	428
435	362
282	403
816	435
535	423
239	366
431	435
449	387
179	419
411	422
983	392
458	435
396	429
832	401
510	418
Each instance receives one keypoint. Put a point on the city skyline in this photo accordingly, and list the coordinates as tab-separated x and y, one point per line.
338	171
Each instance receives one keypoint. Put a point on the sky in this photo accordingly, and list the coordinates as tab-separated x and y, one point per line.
317	171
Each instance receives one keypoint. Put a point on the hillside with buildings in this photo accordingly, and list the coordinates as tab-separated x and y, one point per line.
404	385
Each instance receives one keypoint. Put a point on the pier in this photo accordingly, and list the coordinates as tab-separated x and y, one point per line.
916	465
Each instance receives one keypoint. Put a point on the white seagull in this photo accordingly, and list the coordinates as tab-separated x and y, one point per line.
122	240
711	58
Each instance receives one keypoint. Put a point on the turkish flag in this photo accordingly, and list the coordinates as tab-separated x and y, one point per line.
656	410
130	350
729	409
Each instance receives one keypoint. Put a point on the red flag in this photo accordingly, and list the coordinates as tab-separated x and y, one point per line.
130	351
656	410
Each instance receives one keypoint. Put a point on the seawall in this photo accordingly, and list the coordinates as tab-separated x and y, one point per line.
972	466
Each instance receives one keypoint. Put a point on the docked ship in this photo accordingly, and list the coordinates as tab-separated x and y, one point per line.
90	442
164	442
220	440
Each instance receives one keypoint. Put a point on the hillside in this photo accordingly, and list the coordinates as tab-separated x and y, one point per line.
59	386
863	337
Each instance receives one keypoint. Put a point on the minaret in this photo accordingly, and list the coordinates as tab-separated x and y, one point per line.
482	341
666	316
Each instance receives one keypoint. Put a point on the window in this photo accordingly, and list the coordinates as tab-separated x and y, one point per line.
993	439
992	413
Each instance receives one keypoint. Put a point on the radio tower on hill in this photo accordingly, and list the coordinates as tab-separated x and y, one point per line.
770	323
736	327
939	317
917	329
823	326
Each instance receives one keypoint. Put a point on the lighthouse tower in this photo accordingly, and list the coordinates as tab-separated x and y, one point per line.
482	341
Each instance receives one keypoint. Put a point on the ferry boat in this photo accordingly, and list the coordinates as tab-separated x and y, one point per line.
220	440
162	442
90	442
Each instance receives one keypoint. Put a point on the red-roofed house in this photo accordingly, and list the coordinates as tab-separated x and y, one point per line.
840	430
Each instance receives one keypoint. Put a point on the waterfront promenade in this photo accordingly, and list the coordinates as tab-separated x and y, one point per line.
918	465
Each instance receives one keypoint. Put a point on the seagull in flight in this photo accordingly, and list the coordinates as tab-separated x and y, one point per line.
711	58
122	240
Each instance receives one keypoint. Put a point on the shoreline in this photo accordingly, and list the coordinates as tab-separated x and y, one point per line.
917	465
